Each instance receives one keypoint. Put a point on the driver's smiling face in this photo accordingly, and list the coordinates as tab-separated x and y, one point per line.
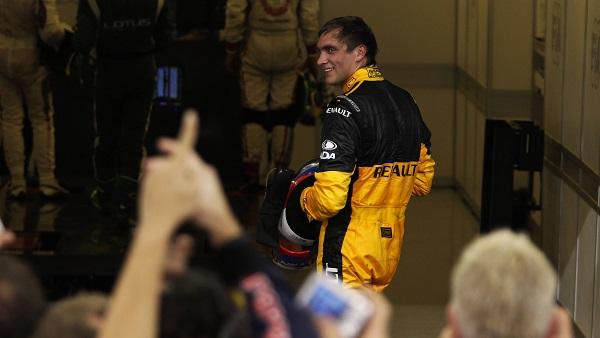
335	60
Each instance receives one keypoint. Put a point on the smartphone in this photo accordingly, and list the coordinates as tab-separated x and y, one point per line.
348	308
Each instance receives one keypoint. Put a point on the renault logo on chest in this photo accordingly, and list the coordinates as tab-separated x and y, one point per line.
338	110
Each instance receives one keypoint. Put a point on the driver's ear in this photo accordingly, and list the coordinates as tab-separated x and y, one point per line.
361	53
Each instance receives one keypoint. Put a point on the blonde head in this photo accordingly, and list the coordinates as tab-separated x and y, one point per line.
502	287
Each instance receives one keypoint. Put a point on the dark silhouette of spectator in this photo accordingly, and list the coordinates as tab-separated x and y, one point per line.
123	36
197	304
21	298
80	316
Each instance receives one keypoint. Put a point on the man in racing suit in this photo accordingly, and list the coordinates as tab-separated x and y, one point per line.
23	78
125	35
273	37
375	156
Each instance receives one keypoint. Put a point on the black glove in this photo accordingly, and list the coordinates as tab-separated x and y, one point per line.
278	184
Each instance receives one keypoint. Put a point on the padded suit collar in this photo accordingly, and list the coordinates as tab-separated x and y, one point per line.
368	73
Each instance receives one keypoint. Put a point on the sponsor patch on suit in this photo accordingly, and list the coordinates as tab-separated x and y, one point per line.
386	232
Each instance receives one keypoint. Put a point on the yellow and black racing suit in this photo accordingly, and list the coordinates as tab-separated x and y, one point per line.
375	157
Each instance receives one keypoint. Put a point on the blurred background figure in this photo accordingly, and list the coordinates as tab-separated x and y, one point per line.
198	304
21	298
273	38
124	37
79	316
503	286
24	79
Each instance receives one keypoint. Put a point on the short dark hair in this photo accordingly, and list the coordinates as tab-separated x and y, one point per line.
21	298
197	304
353	31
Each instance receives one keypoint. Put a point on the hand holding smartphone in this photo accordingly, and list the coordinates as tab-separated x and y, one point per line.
349	309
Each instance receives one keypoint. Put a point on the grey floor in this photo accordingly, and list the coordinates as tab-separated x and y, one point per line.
437	228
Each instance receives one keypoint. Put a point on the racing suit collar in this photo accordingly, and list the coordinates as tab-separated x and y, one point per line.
368	73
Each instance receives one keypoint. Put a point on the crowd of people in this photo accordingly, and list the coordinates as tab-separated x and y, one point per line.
376	155
502	285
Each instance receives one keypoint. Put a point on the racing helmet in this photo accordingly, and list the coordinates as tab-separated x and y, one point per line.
294	224
298	235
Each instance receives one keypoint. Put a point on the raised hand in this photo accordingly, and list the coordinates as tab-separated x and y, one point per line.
170	188
180	185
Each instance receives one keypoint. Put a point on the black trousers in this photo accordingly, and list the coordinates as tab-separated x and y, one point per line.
123	100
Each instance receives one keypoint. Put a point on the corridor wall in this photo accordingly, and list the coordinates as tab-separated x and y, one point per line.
571	120
493	67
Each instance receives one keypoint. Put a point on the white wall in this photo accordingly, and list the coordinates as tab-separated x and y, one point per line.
511	44
590	138
402	33
572	124
494	61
